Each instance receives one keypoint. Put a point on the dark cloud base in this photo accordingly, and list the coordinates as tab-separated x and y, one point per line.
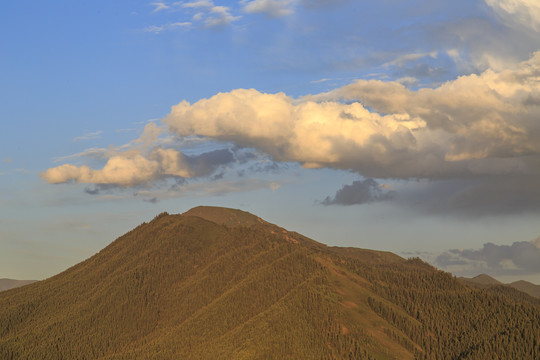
359	192
520	258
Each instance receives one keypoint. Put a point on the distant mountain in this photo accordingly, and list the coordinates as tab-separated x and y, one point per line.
482	280
486	281
526	287
216	283
6	284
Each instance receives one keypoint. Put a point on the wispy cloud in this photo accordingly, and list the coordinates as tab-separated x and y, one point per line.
166	27
89	136
199	4
406	58
159	6
270	8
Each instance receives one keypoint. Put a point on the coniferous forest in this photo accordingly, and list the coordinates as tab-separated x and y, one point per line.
218	283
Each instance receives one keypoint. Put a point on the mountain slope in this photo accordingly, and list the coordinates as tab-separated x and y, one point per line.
526	287
218	283
6	284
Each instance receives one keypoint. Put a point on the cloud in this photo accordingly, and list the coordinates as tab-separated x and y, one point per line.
406	58
271	8
199	4
520	258
210	14
142	164
129	170
472	142
478	132
525	13
159	6
89	136
166	27
360	192
219	16
473	126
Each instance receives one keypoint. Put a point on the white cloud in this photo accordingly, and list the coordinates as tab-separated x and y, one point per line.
271	8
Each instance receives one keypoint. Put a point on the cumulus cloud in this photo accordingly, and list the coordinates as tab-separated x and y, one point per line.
141	164
475	125
360	192
315	134
481	130
210	14
474	140
271	8
128	170
520	258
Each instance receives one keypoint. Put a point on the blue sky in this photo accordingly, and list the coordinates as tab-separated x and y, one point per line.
409	126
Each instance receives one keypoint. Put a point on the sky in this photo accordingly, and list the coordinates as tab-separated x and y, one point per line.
404	126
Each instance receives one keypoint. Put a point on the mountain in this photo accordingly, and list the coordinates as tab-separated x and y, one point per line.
482	280
486	281
216	283
6	284
526	287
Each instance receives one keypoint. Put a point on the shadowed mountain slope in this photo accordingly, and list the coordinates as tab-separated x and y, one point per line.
218	283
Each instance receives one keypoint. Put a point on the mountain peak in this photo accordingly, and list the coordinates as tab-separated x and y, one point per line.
485	279
225	216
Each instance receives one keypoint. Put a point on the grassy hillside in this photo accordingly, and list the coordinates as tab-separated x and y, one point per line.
219	283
